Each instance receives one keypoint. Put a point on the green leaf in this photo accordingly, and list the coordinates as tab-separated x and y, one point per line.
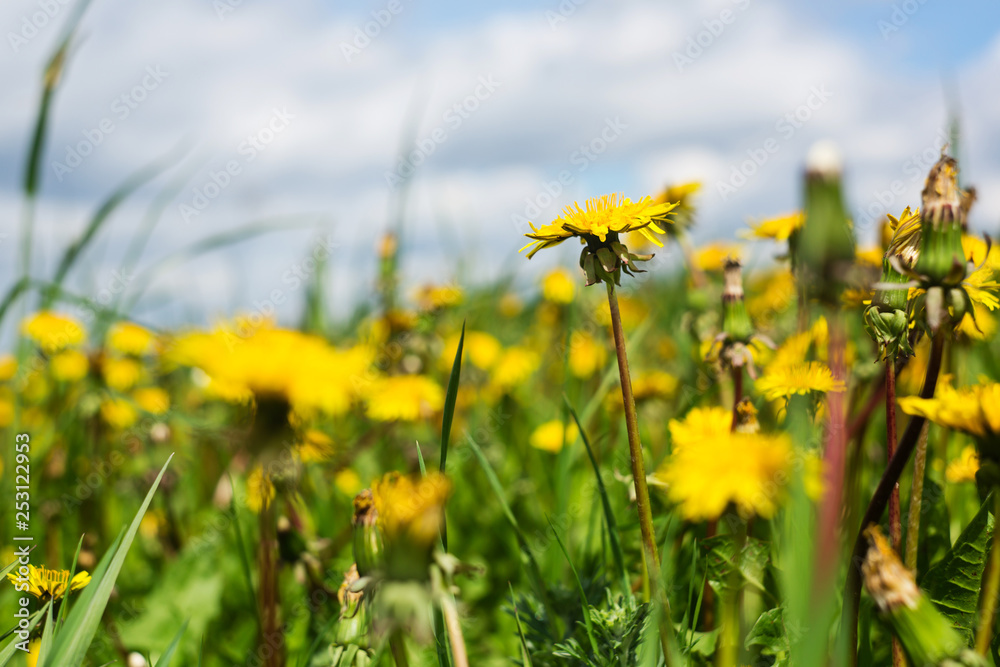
721	558
954	583
450	398
769	634
584	604
935	526
168	655
70	648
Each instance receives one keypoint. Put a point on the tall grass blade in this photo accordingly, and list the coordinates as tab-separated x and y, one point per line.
10	649
168	655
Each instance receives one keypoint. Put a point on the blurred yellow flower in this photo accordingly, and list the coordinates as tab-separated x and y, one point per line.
411	509
404	398
480	348
281	364
514	367
769	294
153	400
600	216
47	584
700	427
779	228
118	413
121	374
130	338
69	365
587	355
713	256
315	447
551	437
8	367
347	481
975	251
53	331
435	297
633	312
510	305
6	408
982	327
558	286
801	378
964	468
653	384
974	410
260	490
744	470
870	257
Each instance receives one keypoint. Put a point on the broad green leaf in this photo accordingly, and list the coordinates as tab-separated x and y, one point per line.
935	530
721	558
953	584
70	648
769	634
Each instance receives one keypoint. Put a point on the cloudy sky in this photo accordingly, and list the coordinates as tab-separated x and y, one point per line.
494	113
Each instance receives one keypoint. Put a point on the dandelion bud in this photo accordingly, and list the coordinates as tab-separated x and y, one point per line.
367	540
943	215
735	320
746	417
825	247
926	635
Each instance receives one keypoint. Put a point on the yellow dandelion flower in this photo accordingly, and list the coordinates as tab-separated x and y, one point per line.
982	288
905	239
480	348
600	216
130	338
982	327
69	365
411	509
712	257
260	490
316	447
153	400
653	384
747	471
118	413
436	297
46	584
700	427
770	294
559	286
551	437
510	305
964	468
6	408
856	297
513	368
404	398
870	257
975	251
52	331
8	367
801	378
121	374
280	364
779	228
587	355
347	481
974	410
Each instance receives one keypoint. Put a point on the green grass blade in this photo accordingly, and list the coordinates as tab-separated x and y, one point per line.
609	515
101	216
168	655
420	458
47	635
70	649
525	655
10	649
12	295
72	573
450	398
244	561
584	605
10	568
611	376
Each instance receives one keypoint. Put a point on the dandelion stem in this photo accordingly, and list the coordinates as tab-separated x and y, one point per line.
907	443
916	498
737	393
450	612
398	649
895	517
652	559
991	586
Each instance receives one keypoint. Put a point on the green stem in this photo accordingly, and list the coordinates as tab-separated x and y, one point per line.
991	586
916	500
852	590
398	649
652	560
895	516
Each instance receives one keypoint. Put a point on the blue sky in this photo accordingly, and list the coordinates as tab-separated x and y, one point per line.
533	93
